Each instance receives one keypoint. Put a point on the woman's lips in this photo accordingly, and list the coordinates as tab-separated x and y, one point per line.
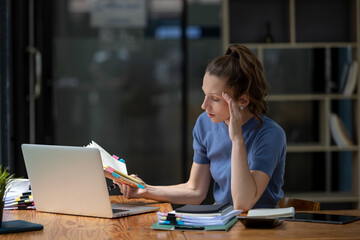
210	115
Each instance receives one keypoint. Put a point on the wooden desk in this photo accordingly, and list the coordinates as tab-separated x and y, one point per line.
57	226
290	230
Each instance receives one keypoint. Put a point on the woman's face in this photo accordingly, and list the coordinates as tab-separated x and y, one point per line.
214	104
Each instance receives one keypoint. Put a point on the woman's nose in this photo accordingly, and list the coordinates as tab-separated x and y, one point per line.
203	105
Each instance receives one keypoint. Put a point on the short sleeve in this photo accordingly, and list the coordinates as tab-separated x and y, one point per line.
268	150
200	153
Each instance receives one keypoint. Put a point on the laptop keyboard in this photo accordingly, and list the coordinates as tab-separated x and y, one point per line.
120	210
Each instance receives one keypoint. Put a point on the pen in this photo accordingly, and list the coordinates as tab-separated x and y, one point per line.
188	228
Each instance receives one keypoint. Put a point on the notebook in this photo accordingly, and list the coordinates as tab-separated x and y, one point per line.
272	212
71	180
207	210
202	209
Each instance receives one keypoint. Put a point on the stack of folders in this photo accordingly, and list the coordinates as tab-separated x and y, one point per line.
23	201
198	217
19	196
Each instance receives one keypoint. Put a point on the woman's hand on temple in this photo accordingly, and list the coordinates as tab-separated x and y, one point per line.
235	121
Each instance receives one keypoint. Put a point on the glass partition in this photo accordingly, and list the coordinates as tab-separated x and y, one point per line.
117	81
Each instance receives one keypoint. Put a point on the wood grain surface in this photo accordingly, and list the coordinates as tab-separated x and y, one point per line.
58	226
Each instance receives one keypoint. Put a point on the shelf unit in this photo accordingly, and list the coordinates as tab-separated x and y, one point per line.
294	35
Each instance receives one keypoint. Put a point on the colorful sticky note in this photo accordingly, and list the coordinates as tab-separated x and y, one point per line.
116	175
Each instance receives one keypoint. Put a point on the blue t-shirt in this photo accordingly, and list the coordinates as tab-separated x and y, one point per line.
266	152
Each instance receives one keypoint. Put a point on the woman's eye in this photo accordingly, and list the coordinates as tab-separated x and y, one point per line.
215	99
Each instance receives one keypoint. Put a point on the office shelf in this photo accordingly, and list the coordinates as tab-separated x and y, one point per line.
312	41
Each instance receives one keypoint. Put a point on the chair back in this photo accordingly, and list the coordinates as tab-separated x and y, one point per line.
299	204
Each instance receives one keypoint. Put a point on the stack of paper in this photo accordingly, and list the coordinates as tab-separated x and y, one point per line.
23	201
197	221
19	197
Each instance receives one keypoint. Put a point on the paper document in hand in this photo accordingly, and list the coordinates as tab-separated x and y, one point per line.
272	212
122	178
108	160
115	169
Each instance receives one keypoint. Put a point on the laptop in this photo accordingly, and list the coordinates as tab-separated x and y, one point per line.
71	180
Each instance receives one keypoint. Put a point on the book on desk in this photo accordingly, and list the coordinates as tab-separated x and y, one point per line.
198	217
266	217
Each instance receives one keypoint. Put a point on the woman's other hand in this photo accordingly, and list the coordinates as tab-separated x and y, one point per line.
129	191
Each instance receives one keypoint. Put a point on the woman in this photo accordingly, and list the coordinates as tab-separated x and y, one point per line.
234	143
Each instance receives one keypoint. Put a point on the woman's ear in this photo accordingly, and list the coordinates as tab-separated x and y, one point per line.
243	101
